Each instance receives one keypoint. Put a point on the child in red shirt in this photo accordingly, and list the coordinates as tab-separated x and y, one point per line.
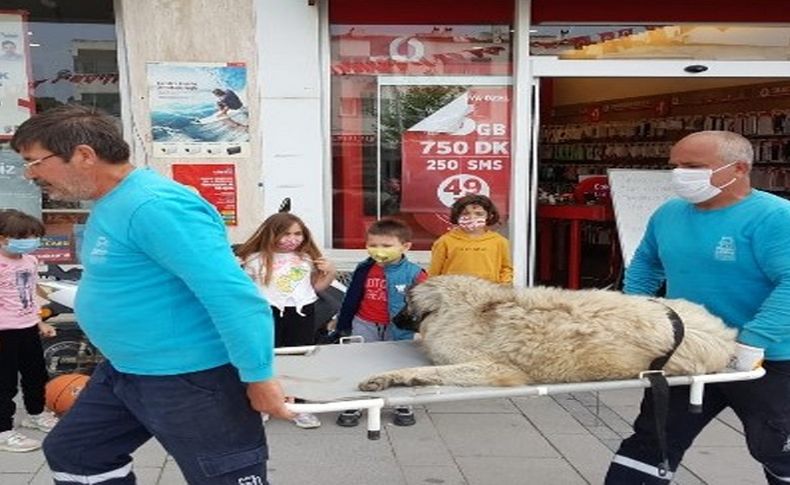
377	293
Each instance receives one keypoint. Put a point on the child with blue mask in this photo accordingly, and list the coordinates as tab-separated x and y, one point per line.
21	246
20	331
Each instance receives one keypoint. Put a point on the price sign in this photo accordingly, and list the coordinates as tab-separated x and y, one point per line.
463	148
457	186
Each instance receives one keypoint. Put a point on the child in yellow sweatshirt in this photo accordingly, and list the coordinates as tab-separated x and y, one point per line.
473	248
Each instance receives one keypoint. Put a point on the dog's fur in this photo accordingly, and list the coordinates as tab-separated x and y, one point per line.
482	334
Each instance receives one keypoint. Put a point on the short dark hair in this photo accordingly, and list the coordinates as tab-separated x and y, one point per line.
18	225
474	199
391	227
61	129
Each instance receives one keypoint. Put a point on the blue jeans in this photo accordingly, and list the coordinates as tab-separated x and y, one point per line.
203	419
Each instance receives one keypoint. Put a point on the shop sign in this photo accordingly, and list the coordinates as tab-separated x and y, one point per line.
463	148
460	49
54	249
216	183
79	78
15	103
353	139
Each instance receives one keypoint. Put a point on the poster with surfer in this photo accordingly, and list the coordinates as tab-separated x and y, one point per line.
199	110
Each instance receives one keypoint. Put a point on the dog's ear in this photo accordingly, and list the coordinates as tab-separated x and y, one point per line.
425	298
404	320
409	317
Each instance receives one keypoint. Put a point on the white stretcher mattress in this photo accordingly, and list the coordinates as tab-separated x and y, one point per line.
331	373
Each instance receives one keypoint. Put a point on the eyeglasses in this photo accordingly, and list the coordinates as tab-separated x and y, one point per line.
33	163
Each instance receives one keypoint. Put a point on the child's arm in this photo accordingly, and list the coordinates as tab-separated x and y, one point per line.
252	267
438	256
324	275
46	330
506	267
351	301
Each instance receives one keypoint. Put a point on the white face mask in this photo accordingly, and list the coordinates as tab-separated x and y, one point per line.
693	184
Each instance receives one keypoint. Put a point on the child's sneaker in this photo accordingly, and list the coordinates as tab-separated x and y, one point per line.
15	441
349	419
42	422
307	421
404	417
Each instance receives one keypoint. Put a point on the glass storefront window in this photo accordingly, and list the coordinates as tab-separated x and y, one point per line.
678	41
53	53
420	116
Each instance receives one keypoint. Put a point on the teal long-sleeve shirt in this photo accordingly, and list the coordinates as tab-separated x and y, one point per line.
161	292
734	260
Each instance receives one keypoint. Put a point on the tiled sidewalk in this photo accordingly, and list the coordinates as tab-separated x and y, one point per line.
564	439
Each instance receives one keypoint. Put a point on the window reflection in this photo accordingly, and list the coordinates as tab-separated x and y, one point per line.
64	52
683	41
367	171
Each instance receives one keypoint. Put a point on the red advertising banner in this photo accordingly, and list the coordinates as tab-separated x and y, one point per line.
216	183
463	148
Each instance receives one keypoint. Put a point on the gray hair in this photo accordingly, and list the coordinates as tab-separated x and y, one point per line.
61	129
732	146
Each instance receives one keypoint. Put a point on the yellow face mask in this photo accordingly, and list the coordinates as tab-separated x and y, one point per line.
385	255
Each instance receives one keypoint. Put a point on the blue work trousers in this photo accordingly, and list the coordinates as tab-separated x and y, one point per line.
203	419
763	406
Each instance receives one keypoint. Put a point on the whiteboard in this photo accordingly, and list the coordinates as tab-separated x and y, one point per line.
636	194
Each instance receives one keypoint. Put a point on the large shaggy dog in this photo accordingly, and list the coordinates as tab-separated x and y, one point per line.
482	334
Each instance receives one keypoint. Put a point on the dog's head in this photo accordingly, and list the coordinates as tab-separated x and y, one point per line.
421	300
430	297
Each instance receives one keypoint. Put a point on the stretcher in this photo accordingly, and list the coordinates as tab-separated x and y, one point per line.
326	378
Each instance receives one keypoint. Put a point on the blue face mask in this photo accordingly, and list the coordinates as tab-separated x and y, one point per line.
22	246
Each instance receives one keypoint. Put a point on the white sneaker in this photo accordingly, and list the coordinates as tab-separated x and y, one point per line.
42	422
15	441
307	421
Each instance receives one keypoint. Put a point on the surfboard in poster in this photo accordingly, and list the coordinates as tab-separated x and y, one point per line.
199	110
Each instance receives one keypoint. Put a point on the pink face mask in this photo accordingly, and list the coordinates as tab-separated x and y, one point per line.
289	243
471	223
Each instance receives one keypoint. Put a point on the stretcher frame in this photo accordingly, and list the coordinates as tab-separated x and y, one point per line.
373	403
296	377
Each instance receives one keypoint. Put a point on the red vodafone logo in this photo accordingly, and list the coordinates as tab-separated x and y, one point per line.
406	49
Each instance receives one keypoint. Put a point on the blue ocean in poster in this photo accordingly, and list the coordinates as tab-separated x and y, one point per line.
198	103
185	125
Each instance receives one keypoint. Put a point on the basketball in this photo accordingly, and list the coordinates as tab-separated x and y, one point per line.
62	391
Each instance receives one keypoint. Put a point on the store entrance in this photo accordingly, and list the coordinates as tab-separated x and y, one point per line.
589	125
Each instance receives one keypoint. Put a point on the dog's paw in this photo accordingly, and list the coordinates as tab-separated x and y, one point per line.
375	383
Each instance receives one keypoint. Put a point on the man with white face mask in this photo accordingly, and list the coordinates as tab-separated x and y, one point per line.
726	246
